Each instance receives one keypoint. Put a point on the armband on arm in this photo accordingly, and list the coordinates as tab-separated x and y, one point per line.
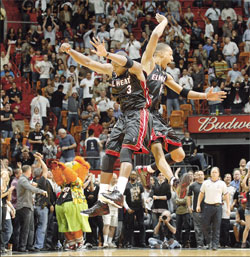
184	92
129	64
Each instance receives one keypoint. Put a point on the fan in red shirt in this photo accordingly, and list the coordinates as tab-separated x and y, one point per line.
18	110
96	126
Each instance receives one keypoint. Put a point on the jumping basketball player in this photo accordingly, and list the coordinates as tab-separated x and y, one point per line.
154	61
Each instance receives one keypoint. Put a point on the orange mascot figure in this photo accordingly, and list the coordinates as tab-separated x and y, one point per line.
70	177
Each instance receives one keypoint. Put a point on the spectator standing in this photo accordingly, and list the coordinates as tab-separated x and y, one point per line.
93	148
34	72
24	206
198	78
116	35
36	138
246	39
44	67
213	190
73	111
228	12
57	102
103	103
103	35
134	205
150	7
43	104
67	145
193	193
225	222
91	194
87	85
174	7
87	118
201	54
214	14
186	81
110	221
50	32
18	113
133	48
5	58
42	203
182	212
230	50
6	121
160	193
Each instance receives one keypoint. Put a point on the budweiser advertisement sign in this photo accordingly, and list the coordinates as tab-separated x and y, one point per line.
219	124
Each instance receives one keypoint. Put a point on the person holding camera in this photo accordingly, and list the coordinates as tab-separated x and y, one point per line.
164	233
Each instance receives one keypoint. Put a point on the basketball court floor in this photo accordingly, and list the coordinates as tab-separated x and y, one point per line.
140	252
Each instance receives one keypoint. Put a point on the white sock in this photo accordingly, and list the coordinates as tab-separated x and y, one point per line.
150	170
121	184
110	239
103	189
105	239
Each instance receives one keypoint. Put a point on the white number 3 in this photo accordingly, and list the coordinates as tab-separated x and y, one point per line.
129	89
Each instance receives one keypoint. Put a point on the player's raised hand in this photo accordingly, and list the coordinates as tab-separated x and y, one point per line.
65	47
160	18
99	46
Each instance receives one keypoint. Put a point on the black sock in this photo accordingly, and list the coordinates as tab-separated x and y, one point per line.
168	158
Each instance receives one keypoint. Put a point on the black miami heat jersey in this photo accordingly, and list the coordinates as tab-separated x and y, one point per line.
131	93
155	83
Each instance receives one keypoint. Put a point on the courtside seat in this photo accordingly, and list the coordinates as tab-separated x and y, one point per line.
177	119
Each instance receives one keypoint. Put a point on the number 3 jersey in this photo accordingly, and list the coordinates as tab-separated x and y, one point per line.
131	93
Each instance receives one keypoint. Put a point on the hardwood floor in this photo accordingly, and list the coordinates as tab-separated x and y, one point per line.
140	252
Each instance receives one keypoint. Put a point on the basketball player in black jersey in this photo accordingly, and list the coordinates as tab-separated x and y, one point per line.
130	132
154	61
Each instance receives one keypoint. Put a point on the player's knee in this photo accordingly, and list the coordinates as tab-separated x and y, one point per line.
108	163
178	155
126	155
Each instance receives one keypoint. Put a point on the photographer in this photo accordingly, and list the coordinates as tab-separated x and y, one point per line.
164	233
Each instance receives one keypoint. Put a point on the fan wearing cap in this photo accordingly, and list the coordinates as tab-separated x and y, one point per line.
246	188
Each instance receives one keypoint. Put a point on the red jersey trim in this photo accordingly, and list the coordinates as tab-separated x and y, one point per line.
111	152
166	140
146	94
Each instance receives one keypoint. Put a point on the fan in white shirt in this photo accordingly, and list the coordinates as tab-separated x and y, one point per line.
174	72
133	47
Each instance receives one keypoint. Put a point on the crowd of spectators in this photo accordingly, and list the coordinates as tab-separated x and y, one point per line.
166	216
203	58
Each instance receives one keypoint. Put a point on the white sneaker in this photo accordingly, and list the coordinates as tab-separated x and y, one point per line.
112	245
105	245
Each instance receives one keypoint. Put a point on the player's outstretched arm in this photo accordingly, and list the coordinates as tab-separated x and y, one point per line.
86	61
147	57
133	66
190	94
